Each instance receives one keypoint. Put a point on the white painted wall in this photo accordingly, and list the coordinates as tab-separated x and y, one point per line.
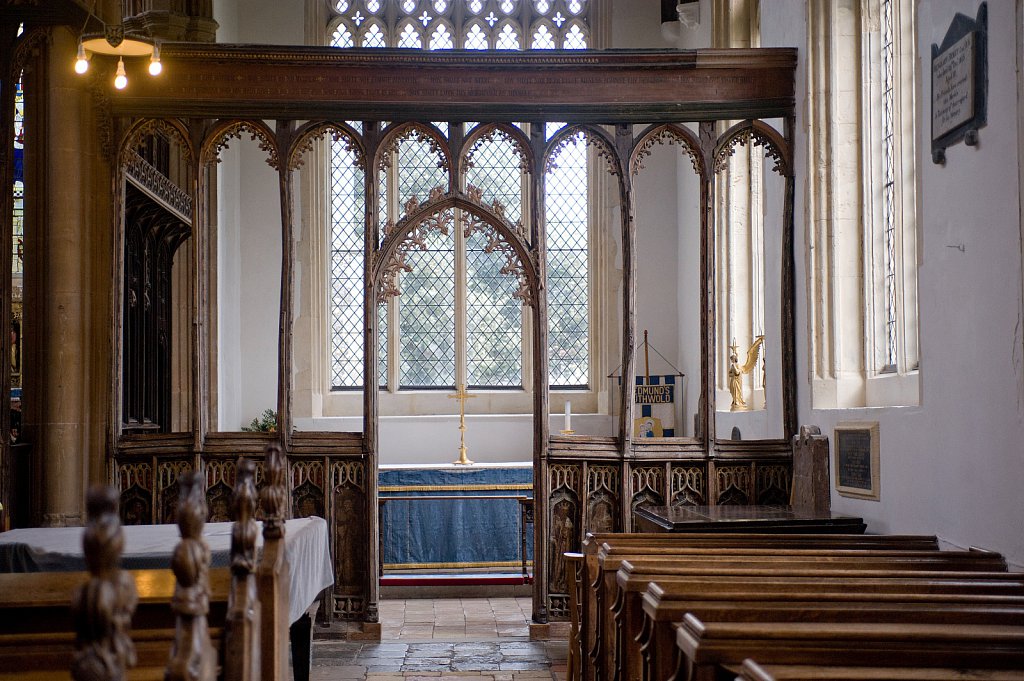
249	238
954	466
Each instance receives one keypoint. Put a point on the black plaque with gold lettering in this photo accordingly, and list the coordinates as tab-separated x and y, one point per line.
856	466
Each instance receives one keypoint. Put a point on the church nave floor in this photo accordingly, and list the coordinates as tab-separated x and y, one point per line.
456	639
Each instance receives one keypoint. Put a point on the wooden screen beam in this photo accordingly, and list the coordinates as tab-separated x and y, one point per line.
614	86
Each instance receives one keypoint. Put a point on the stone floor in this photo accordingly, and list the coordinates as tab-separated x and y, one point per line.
460	639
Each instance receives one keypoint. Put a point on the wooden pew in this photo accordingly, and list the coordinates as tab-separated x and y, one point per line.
37	632
722	561
707	647
652	654
589	607
751	671
190	615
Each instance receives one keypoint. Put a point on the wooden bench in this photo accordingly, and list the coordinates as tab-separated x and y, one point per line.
720	562
751	671
707	647
37	628
651	654
589	594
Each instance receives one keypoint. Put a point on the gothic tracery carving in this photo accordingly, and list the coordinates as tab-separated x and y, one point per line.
235	131
414	133
336	133
666	135
496	134
442	221
751	135
688	486
155	126
578	134
473	223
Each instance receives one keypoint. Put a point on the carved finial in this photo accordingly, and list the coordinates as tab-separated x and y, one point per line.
244	531
103	606
274	497
474	193
273	573
192	655
242	628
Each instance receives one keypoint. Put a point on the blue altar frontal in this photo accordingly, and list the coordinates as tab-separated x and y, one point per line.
439	517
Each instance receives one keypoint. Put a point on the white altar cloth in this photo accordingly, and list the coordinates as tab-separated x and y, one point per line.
59	549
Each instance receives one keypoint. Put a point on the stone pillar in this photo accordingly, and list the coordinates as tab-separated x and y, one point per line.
811	491
72	288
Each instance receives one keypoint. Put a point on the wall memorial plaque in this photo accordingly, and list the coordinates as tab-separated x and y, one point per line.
856	466
960	83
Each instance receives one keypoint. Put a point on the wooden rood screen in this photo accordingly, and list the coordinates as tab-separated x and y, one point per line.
622	103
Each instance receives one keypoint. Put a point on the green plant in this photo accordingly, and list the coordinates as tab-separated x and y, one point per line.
265	423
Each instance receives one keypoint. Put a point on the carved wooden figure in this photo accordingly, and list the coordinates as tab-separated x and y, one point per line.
103	606
273	573
242	629
192	655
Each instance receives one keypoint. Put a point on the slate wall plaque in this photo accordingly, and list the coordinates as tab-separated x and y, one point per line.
960	83
856	468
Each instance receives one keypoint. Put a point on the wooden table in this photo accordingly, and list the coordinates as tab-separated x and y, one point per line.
782	519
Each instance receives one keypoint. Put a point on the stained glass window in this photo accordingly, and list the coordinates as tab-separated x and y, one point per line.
19	179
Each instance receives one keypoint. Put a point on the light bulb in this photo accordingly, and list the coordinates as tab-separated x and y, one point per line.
155	67
121	79
81	62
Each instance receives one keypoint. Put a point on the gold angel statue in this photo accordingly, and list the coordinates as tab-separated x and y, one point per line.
736	371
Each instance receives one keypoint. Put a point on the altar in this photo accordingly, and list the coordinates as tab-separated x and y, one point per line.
443	517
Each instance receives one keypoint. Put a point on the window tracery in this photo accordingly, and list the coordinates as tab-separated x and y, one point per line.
414	163
461	24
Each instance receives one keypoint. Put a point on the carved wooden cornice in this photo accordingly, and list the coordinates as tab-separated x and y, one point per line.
154	183
608	87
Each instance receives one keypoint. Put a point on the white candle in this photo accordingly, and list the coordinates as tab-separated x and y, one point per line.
568	414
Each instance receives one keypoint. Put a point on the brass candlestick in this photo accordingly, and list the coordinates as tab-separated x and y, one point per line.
461	395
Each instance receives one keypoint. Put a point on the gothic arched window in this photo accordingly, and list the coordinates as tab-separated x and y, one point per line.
457	319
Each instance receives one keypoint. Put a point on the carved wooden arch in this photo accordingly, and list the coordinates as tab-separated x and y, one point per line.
754	132
669	133
396	132
31	39
216	140
172	127
310	132
505	237
595	137
488	131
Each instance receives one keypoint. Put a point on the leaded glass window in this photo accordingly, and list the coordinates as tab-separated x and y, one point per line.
461	24
889	236
565	205
427	315
347	199
456	318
